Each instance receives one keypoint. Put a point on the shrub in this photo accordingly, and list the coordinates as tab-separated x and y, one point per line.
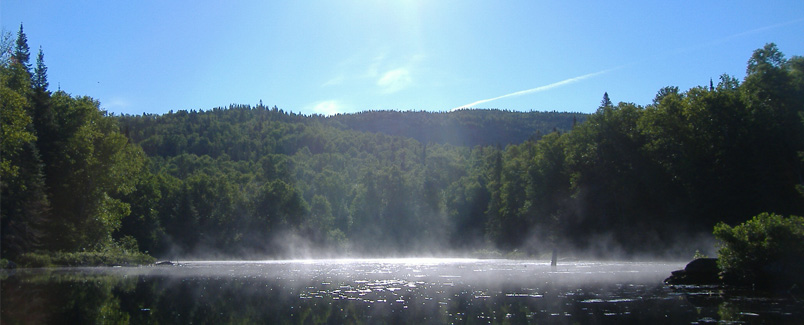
37	259
92	258
766	250
6	264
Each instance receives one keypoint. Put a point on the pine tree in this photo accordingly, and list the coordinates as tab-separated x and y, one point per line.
22	53
22	191
40	72
606	102
44	119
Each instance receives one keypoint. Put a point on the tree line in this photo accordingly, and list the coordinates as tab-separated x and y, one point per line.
257	181
64	167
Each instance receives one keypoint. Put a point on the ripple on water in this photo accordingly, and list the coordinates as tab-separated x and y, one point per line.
461	291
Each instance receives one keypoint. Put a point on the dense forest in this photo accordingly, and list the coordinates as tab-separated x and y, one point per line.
305	182
467	127
260	182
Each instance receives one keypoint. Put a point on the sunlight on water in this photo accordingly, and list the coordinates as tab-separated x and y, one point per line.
390	290
404	260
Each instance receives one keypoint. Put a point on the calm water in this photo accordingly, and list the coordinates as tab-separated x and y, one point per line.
379	291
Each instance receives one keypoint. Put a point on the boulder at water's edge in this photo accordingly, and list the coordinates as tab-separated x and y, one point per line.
700	271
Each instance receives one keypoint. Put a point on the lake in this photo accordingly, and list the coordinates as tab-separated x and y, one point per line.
426	291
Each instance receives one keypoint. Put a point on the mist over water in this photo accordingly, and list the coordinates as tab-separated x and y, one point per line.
396	290
290	245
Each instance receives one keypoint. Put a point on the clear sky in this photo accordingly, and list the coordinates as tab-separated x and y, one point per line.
345	56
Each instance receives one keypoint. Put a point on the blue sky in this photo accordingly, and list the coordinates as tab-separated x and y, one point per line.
346	56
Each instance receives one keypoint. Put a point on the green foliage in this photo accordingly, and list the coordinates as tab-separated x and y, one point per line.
90	166
242	179
725	153
65	166
23	203
768	249
605	102
22	52
5	264
15	132
124	252
246	180
40	72
372	183
466	127
111	257
36	259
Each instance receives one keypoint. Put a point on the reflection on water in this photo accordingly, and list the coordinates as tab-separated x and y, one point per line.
378	291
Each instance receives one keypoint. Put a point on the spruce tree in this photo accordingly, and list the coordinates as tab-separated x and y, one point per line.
606	102
23	199
22	53
44	119
40	72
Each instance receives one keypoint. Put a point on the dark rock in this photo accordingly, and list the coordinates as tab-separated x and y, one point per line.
702	265
700	271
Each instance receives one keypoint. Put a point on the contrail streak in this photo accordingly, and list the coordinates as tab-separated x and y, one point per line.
760	29
538	89
590	75
726	39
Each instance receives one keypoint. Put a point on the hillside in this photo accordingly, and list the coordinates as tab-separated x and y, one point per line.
463	127
328	180
261	182
241	128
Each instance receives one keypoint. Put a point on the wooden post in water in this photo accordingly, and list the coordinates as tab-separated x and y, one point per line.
554	259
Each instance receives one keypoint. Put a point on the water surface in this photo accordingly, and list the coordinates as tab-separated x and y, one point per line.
379	291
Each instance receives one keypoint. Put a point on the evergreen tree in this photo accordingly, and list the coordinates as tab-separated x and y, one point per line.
44	120
23	203
606	102
40	72
22	53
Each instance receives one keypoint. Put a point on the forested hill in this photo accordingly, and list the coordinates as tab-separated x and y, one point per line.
239	129
466	127
242	178
261	182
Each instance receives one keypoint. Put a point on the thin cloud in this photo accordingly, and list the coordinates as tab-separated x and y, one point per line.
537	89
590	75
336	81
724	39
390	75
373	69
116	102
759	30
327	107
395	80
